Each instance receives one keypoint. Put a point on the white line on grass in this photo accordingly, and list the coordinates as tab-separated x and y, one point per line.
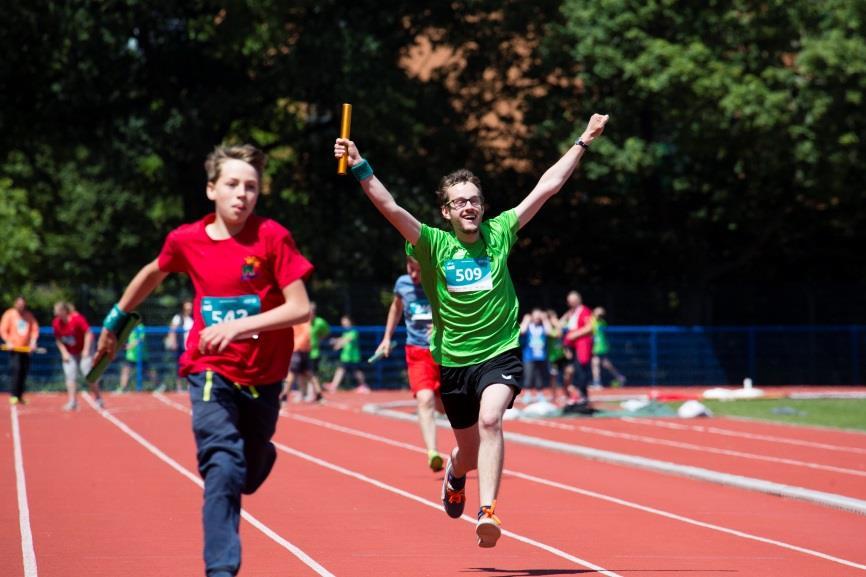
291	548
601	496
694	447
744	435
28	554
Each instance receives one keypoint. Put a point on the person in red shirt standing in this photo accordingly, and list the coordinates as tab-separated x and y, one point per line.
75	343
248	278
578	326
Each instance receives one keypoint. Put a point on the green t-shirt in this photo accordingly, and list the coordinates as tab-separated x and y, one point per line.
351	351
470	290
319	329
600	346
136	345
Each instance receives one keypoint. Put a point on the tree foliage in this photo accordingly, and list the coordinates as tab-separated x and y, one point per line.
735	147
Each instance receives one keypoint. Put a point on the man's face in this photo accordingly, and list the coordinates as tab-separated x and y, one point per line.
414	270
235	192
573	300
466	218
61	313
20	304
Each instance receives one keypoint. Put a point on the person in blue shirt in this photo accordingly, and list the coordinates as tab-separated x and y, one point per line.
411	302
535	328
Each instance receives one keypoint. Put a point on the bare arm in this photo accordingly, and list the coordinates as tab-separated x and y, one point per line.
557	175
88	344
524	323
64	353
406	224
139	288
295	310
394	312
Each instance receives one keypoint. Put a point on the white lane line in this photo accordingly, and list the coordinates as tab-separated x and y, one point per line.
744	435
601	496
290	547
28	554
694	447
397	491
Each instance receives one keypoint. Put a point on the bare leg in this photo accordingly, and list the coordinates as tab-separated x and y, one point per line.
596	370
124	378
338	378
427	417
607	364
491	449
464	457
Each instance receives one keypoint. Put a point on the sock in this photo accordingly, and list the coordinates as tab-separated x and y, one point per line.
456	483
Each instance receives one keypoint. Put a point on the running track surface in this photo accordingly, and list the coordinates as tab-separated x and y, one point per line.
116	494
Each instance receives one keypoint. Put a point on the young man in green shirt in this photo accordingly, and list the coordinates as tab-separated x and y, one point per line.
475	330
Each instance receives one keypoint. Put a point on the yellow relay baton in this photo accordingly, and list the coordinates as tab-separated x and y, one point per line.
345	130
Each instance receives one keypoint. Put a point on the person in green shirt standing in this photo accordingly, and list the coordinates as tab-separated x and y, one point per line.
475	336
319	329
136	349
601	350
350	358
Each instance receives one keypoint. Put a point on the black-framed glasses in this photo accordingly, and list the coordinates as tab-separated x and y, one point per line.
458	203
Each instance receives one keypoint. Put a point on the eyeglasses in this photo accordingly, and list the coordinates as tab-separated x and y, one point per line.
458	203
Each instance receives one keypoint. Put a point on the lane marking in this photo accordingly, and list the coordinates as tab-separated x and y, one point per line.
397	491
694	447
743	435
267	531
28	554
600	496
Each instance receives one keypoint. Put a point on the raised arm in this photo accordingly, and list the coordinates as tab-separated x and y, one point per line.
403	221
557	175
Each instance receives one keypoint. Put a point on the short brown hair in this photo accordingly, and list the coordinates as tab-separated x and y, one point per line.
245	152
456	177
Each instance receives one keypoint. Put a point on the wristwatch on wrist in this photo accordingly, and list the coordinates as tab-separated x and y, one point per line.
582	144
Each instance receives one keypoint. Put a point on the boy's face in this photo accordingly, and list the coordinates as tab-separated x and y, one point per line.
467	218
414	271
235	192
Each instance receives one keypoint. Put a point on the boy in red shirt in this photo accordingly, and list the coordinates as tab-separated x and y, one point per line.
249	291
75	343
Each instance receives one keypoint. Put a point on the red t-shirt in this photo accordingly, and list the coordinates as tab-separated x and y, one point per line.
583	346
72	332
579	319
236	277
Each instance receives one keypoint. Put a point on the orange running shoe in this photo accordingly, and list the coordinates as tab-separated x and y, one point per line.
487	530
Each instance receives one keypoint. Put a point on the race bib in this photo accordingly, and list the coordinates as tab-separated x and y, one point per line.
468	274
215	310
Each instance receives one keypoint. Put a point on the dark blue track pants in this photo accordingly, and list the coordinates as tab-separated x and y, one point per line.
233	426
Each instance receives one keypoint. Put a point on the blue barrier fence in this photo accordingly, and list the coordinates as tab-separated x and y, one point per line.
647	355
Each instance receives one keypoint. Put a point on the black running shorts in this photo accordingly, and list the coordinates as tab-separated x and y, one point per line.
462	386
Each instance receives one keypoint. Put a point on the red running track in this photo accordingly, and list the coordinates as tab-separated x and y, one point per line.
358	500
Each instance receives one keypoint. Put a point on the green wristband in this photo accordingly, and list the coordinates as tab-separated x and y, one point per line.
362	170
115	318
124	328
